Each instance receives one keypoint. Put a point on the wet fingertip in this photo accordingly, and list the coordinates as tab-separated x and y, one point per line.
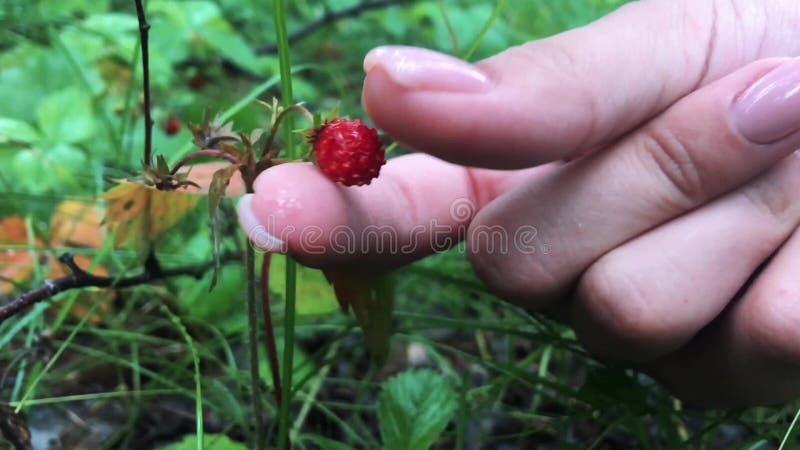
255	230
420	69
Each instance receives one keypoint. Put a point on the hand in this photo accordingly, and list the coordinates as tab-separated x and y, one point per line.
668	241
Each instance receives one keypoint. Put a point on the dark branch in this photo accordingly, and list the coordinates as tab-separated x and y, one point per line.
144	28
80	278
330	17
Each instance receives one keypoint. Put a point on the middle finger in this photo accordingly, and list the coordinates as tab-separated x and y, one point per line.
706	144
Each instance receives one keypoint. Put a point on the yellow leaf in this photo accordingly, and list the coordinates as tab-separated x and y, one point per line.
76	223
138	215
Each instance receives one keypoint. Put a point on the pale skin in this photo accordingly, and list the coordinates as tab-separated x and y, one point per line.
655	154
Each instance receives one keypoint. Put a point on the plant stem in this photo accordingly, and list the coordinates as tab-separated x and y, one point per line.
204	152
144	28
198	391
269	335
252	345
80	278
282	39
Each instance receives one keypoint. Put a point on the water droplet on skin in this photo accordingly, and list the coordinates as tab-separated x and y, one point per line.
285	203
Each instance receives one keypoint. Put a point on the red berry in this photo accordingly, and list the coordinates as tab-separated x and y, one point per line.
196	82
348	152
172	125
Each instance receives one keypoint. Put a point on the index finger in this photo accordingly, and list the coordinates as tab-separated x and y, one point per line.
417	206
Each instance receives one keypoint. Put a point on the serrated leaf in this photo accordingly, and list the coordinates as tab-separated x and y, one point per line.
66	116
371	299
414	407
12	130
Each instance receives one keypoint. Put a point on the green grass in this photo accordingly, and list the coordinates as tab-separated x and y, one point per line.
174	352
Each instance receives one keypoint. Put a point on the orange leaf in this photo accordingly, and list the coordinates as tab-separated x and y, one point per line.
138	215
16	265
76	223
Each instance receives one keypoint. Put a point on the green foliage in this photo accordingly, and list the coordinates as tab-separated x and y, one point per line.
314	293
17	130
210	442
414	407
66	116
71	123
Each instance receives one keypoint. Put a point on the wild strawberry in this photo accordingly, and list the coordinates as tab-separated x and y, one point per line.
348	152
172	125
196	82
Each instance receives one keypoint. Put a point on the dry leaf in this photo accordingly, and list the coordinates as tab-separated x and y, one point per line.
16	265
138	215
76	223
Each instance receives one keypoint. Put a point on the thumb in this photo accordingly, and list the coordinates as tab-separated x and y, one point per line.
558	97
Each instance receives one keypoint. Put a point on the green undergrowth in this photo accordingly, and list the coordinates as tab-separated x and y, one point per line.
465	370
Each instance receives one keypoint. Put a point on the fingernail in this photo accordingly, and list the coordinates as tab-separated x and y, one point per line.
256	231
770	109
421	69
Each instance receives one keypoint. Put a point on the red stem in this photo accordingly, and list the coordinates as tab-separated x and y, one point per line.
204	152
269	338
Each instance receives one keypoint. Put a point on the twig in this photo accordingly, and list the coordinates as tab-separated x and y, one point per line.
144	28
330	17
80	278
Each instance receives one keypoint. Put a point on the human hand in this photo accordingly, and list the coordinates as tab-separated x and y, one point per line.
668	241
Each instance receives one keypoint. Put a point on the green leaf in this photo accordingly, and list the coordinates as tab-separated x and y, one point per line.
219	182
210	442
414	408
226	42
112	25
324	443
314	293
66	116
12	130
27	168
66	162
162	166
371	298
